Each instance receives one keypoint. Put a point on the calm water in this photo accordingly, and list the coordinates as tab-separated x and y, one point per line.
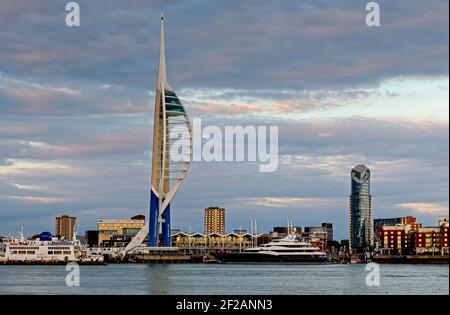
224	279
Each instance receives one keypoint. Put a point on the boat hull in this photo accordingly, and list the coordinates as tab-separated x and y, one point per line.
266	258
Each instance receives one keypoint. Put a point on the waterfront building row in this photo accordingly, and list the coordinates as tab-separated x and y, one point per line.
412	238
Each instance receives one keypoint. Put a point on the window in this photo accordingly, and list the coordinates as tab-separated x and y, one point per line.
172	101
174	108
169	93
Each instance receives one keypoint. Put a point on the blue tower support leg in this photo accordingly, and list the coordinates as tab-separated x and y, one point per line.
166	237
153	226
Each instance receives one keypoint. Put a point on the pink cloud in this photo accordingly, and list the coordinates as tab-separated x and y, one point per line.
44	96
223	108
37	57
20	130
425	208
111	142
41	200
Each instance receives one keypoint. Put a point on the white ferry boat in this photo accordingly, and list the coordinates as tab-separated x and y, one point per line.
286	250
36	250
43	250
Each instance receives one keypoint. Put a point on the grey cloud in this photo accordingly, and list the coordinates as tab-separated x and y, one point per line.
374	138
28	98
256	44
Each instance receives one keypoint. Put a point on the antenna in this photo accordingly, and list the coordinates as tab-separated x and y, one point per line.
256	233
22	238
74	236
251	232
291	229
189	237
240	237
288	225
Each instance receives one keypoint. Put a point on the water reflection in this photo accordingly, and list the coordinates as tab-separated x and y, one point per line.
200	279
158	278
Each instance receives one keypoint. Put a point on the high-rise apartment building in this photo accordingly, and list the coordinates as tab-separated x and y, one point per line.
328	227
360	204
214	220
65	226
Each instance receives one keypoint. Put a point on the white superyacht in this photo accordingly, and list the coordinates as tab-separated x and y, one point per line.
286	250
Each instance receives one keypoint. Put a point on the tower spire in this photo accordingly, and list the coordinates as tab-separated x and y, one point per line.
162	58
168	172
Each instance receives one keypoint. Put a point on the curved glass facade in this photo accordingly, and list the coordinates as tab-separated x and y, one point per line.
173	103
360	209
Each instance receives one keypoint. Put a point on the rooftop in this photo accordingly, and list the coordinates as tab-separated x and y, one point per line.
361	168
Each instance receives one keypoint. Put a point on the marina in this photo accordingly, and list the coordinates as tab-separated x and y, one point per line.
47	250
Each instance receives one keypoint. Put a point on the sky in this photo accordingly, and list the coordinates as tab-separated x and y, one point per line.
76	108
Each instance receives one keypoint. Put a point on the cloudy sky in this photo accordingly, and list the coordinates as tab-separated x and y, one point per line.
76	108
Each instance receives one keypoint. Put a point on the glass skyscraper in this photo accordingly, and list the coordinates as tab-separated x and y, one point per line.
360	204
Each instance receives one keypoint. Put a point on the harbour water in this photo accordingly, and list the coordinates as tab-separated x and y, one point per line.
202	279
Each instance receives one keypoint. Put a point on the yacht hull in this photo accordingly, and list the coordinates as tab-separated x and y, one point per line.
267	258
